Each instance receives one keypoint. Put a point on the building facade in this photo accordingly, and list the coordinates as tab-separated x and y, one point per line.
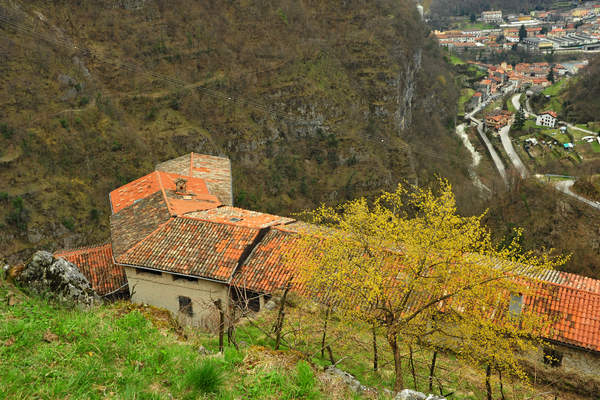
494	17
547	119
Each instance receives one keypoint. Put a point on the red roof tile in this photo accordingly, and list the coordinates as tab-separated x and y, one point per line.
192	247
197	195
552	113
240	217
268	268
96	264
215	171
575	313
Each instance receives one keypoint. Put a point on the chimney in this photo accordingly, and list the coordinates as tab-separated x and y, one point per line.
180	185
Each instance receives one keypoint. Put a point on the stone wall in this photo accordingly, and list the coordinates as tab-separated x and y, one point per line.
578	371
164	291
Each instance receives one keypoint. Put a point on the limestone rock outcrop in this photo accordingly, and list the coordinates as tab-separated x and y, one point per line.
57	278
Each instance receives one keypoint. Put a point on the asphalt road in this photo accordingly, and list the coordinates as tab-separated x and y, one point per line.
510	150
565	187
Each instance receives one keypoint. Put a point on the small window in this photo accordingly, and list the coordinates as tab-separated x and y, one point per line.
516	304
552	357
185	305
184	278
147	272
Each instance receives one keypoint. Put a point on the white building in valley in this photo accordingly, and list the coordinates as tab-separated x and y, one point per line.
547	118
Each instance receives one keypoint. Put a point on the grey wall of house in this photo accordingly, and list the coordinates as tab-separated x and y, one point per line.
164	291
579	369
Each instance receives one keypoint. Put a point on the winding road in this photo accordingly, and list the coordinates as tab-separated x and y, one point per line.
508	145
565	187
495	157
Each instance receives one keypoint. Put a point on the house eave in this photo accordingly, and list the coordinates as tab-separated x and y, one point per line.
171	273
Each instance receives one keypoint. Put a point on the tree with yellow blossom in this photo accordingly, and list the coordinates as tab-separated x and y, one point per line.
410	265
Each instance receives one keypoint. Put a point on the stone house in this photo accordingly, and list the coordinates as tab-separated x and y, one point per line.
178	242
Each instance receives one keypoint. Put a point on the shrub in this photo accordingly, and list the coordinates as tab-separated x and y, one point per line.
6	131
68	223
206	377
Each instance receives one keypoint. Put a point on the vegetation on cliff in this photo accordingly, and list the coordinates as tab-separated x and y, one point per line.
312	101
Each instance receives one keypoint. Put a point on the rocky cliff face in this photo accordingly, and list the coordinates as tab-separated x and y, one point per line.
313	101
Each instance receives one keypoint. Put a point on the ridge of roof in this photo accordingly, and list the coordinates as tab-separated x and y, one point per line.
128	194
239	217
82	249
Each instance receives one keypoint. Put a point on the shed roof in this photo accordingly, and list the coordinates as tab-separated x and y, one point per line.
96	264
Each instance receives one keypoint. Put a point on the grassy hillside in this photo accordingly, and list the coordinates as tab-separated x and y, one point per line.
127	351
312	101
123	351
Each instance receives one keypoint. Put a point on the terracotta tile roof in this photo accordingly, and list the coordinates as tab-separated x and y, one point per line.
575	313
96	264
240	217
197	196
552	113
192	247
268	269
215	171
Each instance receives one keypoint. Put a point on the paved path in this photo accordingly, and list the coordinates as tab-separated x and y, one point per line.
565	187
460	131
510	150
495	157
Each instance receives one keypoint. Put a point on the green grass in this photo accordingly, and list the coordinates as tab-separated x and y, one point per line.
206	377
465	96
556	88
120	351
595	147
468	25
454	60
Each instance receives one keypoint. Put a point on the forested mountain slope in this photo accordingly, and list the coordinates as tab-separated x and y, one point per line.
313	101
582	97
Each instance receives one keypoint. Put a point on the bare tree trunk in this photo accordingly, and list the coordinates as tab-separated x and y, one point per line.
488	385
280	317
330	355
374	348
392	339
501	386
221	323
325	331
432	370
412	366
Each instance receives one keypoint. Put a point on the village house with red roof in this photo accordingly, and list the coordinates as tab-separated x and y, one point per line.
547	119
177	242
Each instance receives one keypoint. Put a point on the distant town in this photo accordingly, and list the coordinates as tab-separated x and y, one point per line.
575	30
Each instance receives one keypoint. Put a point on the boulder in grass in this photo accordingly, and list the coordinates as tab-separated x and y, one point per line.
57	278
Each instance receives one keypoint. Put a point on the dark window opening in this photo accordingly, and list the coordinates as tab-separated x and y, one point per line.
185	305
147	272
552	357
185	278
246	299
